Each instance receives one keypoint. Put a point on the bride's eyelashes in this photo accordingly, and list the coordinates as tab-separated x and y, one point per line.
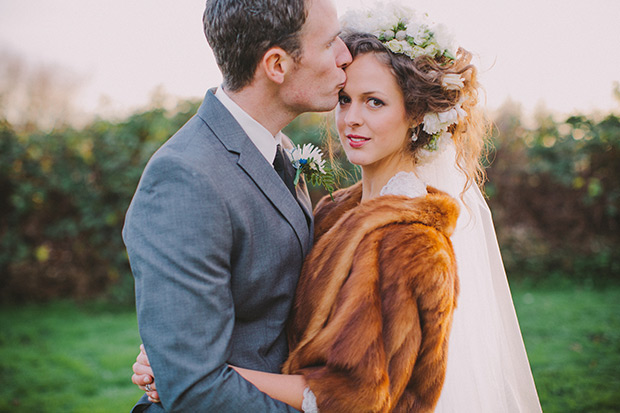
375	103
372	102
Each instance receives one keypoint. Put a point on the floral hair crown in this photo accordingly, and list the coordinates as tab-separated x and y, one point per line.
403	31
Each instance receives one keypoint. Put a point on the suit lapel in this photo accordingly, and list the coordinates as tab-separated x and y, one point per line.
232	136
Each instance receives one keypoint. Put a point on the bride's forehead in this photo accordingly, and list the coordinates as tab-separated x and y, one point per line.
367	71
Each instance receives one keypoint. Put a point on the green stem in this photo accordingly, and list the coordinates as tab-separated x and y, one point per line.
296	180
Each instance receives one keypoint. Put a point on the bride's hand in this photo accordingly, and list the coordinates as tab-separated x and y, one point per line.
143	375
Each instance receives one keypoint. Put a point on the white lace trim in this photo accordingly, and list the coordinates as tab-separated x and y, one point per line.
309	403
404	183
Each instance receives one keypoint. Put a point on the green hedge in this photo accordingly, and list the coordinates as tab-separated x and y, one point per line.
554	190
555	194
63	197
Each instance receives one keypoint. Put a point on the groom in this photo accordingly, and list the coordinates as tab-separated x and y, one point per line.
215	238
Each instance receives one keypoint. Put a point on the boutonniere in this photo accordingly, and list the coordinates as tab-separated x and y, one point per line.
308	159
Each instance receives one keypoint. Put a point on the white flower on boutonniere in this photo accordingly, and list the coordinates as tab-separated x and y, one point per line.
308	159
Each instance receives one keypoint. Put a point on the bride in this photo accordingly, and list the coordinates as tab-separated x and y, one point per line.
370	329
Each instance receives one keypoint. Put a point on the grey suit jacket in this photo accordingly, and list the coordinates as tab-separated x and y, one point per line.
216	244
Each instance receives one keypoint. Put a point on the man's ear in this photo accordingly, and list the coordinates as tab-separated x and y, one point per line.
276	63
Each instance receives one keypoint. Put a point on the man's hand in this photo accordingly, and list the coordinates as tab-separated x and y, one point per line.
143	376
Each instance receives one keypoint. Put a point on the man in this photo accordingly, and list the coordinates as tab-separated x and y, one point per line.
215	238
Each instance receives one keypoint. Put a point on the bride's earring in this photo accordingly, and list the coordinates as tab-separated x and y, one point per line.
414	136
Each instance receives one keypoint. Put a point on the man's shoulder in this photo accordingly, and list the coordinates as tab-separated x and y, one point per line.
193	142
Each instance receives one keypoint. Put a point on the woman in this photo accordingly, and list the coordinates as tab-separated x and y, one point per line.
371	322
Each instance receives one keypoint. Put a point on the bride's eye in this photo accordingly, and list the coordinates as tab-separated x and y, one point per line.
375	103
343	100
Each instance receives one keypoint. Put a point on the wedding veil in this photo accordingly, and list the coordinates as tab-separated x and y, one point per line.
488	369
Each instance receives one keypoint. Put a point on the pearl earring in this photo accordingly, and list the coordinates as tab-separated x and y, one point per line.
414	136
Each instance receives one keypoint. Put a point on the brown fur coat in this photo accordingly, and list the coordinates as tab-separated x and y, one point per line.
373	309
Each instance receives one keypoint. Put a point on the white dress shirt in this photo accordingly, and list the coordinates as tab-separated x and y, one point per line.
258	134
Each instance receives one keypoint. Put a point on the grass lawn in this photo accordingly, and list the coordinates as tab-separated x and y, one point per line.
66	357
572	336
63	357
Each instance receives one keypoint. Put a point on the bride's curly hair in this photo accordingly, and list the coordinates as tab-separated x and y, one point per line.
420	80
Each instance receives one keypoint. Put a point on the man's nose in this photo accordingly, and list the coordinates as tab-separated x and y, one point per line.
343	59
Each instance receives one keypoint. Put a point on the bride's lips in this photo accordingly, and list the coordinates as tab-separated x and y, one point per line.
356	141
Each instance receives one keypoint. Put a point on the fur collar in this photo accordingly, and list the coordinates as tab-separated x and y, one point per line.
437	209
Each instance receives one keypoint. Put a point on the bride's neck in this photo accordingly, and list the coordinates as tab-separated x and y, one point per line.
377	175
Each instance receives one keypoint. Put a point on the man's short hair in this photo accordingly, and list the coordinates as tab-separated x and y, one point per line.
241	31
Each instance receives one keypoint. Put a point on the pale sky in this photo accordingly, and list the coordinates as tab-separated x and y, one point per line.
564	54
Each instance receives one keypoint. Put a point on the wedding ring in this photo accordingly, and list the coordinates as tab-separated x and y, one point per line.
148	387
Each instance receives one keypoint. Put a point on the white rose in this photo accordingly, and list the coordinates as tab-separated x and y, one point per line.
408	50
418	51
462	113
358	21
350	19
417	31
444	39
448	117
432	125
401	35
383	19
431	50
452	81
395	46
388	35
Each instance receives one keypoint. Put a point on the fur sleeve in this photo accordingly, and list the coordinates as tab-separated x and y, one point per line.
417	263
384	346
374	305
352	375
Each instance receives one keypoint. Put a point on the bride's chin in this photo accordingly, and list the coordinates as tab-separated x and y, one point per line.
357	161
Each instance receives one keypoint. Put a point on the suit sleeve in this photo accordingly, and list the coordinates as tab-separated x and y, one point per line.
179	239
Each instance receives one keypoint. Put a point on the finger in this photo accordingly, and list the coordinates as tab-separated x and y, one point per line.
152	400
148	387
138	379
141	369
143	351
141	379
153	395
143	359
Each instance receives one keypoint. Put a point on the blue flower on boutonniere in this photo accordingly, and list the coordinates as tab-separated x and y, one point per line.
308	159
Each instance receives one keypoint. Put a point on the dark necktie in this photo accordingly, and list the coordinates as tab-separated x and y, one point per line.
285	169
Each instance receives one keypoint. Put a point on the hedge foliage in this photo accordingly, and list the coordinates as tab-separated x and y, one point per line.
555	194
554	190
63	197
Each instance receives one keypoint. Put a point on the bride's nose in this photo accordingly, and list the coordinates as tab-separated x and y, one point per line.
353	117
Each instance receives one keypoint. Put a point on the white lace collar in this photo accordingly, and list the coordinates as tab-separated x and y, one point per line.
404	183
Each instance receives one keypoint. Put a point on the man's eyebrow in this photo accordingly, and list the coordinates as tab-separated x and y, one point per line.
335	36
